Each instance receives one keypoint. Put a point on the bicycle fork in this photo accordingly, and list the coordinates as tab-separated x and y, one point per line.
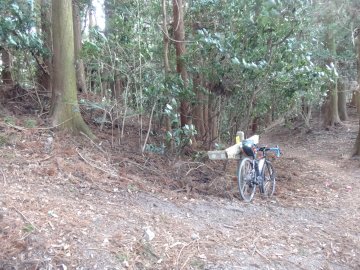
258	166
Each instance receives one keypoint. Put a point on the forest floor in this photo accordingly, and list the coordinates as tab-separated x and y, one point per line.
68	203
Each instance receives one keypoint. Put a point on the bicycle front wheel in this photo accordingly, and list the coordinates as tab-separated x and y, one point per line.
268	183
246	179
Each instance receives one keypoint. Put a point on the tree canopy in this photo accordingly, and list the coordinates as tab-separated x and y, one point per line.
248	63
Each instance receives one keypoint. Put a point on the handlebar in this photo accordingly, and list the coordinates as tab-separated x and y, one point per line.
276	150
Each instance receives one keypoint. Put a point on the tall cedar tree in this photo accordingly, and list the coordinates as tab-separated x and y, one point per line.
179	35
65	107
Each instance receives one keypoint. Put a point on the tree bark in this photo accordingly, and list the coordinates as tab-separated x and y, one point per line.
342	101
357	93
6	75
44	74
206	98
213	118
80	69
331	110
198	111
168	129
65	109
165	39
179	35
356	150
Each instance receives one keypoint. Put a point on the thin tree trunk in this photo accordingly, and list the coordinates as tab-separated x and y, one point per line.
165	39
118	87
66	112
168	129
342	101
331	112
356	150
206	98
179	35
44	78
213	130
198	111
80	69
357	93
6	75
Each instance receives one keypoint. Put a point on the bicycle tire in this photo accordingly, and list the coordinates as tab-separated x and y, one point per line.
246	179
267	186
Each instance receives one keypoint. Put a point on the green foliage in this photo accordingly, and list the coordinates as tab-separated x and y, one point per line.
260	56
155	149
4	140
17	27
30	123
259	52
28	228
9	120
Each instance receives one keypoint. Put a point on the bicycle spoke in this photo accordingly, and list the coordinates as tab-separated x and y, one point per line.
268	175
246	179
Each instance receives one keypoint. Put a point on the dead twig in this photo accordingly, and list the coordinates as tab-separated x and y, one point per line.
144	168
184	264
261	255
230	227
95	166
3	174
25	218
47	128
148	132
178	257
194	169
97	146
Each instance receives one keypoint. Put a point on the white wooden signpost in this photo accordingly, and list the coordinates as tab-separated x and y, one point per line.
234	151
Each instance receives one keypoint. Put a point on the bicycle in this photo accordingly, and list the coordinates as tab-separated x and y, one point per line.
256	170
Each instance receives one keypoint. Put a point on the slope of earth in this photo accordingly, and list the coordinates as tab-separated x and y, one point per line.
68	203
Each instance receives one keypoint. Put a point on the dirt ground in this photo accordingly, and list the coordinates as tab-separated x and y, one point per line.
69	203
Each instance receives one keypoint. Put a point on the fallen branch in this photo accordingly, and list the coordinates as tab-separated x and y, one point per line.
262	255
178	257
95	166
47	128
144	168
97	146
194	169
25	218
148	132
3	174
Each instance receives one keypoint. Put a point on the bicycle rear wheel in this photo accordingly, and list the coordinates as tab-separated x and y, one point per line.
246	179
267	186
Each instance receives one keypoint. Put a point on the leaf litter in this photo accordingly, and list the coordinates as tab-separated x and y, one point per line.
69	205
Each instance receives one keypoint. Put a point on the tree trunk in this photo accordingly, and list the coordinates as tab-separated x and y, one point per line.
65	109
357	92
198	111
356	151
91	73
80	69
118	87
44	73
206	98
91	17
342	101
213	127
165	39
179	35
168	129
6	75
331	110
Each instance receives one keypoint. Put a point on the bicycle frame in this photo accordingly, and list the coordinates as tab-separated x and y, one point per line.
256	170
